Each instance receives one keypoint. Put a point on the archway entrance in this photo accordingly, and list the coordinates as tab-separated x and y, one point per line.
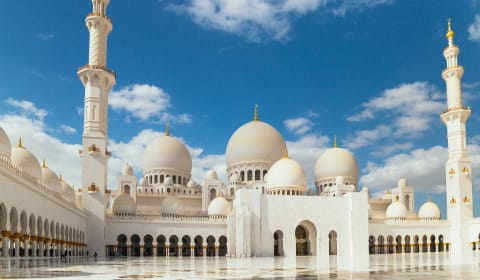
210	246
301	241
222	249
122	245
161	252
332	242
198	246
148	248
135	239
278	243
173	246
186	246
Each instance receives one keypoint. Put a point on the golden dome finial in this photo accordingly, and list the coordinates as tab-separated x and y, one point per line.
44	163
285	152
428	199
450	32
20	145
167	129
255	112
335	141
61	178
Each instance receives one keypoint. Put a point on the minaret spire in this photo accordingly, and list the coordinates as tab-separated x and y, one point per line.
98	81
458	166
255	112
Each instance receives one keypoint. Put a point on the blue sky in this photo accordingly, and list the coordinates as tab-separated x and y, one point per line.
367	71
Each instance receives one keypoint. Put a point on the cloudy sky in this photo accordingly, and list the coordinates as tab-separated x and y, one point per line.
367	71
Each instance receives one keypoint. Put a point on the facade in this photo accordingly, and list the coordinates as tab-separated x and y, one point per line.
265	208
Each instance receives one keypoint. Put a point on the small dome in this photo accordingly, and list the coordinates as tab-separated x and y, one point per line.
235	178
219	207
254	142
127	170
396	210
336	162
67	191
191	183
211	174
168	181
142	182
402	182
167	152
286	173
51	179
5	146
429	210
172	205
26	160
124	204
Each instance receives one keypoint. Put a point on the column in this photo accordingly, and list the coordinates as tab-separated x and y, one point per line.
5	238
142	248
167	249
180	249
217	249
16	239
192	250
26	245
62	247
204	250
33	245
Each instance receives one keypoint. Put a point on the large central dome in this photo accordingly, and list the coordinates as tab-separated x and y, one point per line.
255	141
167	152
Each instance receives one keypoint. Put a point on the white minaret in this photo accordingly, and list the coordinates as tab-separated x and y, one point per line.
98	80
458	166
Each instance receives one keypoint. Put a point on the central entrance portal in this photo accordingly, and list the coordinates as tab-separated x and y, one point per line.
301	241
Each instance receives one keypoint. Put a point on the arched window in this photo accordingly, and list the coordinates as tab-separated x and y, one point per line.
242	175
174	179
257	175
162	178
155	179
249	175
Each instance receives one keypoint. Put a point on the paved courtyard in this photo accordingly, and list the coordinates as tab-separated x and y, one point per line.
410	266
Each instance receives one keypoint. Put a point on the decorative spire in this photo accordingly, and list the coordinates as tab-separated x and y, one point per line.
20	145
61	178
255	112
335	141
285	152
44	163
450	32
428	199
167	130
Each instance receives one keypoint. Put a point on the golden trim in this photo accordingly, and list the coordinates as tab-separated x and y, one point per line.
6	233
20	144
451	172
453	201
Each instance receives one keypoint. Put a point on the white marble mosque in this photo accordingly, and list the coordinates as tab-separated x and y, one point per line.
263	210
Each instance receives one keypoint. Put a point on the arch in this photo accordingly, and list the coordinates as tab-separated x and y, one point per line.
198	250
389	244
155	179
408	247
441	246
23	222
371	244
46	232
173	246
424	244
3	217
222	249
332	241
398	244
148	247
186	246
13	220
135	250
213	194
407	201
416	246
381	245
249	175
432	243
31	224
122	245
52	230
242	175
174	179
210	246
162	178
161	252
278	243
305	238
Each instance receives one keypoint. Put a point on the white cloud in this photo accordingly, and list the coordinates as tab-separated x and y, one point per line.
474	29
364	138
409	109
29	124
27	108
67	129
145	102
298	126
260	20
386	150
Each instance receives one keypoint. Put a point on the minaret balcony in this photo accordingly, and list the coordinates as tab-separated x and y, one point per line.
96	67
99	15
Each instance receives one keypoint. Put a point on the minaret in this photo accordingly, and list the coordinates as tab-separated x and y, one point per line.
458	166
98	80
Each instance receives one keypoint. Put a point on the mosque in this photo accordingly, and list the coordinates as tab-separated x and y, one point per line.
264	210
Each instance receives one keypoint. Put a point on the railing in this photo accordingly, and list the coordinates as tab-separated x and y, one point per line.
172	218
99	15
98	67
456	108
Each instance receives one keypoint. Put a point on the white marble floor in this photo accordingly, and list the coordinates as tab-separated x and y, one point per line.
407	266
